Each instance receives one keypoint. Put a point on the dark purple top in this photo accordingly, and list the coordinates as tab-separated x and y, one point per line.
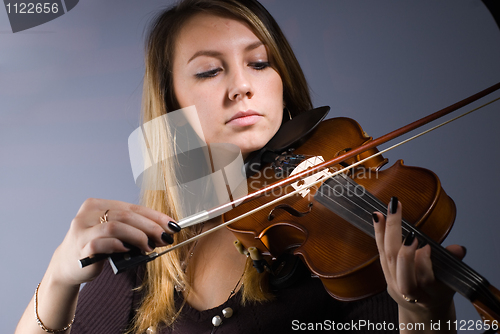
106	306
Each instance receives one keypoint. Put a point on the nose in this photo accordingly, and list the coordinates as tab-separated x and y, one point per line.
240	85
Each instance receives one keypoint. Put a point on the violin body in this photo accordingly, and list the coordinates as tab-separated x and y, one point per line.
343	256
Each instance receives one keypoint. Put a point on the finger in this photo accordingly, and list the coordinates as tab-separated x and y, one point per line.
423	267
379	228
426	279
458	251
155	232
392	235
104	246
158	230
406	276
379	224
423	264
122	232
393	231
93	205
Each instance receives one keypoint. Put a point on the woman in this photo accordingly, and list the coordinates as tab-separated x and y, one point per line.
230	60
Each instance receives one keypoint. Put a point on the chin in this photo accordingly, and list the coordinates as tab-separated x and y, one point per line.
247	148
250	141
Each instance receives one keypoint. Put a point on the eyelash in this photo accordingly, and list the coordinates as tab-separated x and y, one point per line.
208	74
259	66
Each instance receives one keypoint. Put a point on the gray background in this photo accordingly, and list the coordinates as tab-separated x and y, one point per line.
70	94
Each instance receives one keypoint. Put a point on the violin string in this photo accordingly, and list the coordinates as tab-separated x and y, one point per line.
462	272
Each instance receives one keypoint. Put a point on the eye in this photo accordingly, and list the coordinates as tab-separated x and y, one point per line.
260	65
208	74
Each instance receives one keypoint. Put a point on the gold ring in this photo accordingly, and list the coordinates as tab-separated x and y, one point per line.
104	218
409	300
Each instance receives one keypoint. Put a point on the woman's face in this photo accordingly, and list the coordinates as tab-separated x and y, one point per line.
223	69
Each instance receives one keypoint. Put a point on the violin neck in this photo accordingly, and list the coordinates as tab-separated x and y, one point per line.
447	268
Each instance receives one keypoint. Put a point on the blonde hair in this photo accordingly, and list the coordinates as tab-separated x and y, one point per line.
158	307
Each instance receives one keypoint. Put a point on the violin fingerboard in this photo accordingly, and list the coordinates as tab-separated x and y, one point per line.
350	201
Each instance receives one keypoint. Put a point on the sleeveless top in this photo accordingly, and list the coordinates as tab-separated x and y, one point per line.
107	305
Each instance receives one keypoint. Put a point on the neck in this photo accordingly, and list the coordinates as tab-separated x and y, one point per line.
214	269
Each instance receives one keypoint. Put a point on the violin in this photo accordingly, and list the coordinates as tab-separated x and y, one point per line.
329	225
324	211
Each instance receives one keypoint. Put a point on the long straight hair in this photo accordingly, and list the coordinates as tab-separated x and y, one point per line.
165	274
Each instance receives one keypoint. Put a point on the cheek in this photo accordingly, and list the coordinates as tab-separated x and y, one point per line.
185	90
274	88
274	91
178	87
189	94
278	85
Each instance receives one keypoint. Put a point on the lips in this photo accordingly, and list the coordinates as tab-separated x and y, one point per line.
244	118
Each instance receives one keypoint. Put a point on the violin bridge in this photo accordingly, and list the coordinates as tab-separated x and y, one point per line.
304	165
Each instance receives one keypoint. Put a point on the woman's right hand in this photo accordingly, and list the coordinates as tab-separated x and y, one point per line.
126	223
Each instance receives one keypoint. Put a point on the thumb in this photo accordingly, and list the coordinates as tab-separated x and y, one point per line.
457	250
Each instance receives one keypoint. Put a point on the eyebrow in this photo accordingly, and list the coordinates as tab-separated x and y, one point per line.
213	53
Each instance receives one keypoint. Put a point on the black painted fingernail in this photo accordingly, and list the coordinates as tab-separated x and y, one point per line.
132	248
174	226
151	244
465	250
393	206
422	244
409	239
127	245
167	238
375	217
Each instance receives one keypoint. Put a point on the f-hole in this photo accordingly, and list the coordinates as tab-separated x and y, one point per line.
290	210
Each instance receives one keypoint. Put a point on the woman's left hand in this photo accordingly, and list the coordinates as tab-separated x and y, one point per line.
407	268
